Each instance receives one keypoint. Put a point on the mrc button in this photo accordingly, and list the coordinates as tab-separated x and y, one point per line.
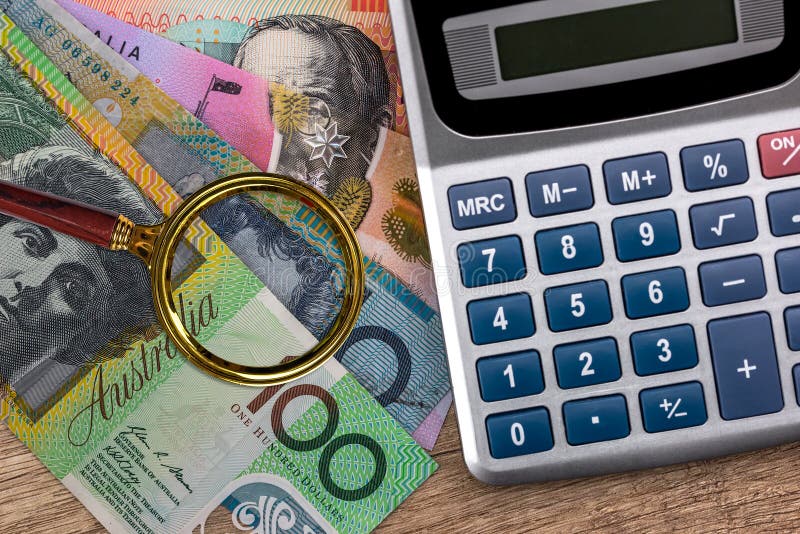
482	204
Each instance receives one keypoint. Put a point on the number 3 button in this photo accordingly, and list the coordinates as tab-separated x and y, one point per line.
500	319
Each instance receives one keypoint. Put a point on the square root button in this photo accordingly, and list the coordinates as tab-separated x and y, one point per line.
745	366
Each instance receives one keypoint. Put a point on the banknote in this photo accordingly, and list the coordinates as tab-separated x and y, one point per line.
389	225
146	441
396	350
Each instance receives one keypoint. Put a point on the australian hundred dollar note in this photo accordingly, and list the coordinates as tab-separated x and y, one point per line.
396	350
146	441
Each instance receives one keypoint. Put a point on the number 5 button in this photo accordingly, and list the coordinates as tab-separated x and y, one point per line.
578	306
500	319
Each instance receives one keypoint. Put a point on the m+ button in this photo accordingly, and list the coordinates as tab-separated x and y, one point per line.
637	178
745	366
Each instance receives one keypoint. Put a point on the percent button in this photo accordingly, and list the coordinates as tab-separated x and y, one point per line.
714	165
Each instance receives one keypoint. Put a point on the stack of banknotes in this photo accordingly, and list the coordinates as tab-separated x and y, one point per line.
131	105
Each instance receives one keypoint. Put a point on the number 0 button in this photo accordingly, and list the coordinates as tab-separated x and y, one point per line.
501	319
517	433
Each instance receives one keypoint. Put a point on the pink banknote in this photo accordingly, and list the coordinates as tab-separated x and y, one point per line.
207	87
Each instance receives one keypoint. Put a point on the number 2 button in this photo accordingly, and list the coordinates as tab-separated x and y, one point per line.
500	318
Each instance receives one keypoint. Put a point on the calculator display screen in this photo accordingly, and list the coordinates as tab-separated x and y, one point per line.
612	35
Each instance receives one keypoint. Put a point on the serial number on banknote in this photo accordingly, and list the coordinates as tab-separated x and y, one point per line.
74	49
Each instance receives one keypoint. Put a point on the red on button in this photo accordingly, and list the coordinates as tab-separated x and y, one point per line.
780	153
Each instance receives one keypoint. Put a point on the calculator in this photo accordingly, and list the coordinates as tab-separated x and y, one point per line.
612	196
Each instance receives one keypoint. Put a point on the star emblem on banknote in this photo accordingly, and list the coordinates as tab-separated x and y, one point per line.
326	143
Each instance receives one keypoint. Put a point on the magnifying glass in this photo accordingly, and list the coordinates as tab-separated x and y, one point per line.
257	278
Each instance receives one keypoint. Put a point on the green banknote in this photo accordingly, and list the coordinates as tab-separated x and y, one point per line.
147	442
396	350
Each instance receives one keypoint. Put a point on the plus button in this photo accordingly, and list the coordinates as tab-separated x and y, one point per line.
746	368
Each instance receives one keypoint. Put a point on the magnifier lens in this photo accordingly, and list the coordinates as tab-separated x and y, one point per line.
258	278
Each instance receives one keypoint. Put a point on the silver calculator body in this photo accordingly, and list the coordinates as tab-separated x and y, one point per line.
542	390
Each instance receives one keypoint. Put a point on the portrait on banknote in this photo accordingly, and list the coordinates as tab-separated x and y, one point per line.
330	100
65	303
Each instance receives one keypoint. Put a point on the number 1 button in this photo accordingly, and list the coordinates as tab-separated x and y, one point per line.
517	433
501	319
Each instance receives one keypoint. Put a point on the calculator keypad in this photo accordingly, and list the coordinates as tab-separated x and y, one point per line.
637	178
714	165
745	366
673	407
718	224
521	432
559	191
578	306
587	363
491	261
510	376
743	355
788	264
649	235
655	293
784	212
501	319
571	248
734	280
596	419
664	350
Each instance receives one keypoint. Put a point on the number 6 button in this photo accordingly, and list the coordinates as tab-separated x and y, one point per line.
500	319
655	293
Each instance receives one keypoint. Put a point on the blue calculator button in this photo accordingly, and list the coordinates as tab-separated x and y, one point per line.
637	178
784	212
569	249
559	191
714	165
796	375
655	293
788	262
492	261
510	376
723	223
578	306
745	366
587	363
792	318
501	318
596	419
673	407
517	433
482	203
646	236
664	350
735	280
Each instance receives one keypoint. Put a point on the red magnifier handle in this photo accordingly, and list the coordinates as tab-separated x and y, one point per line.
95	225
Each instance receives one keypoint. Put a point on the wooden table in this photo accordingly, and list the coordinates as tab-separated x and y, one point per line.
754	491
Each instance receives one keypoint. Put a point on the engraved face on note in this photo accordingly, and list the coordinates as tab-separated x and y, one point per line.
329	101
65	303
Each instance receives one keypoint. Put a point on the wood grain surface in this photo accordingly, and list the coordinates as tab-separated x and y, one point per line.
752	492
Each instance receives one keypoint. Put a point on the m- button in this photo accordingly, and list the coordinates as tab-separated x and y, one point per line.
637	178
559	191
482	204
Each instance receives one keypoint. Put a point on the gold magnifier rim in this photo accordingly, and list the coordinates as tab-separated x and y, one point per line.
161	266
